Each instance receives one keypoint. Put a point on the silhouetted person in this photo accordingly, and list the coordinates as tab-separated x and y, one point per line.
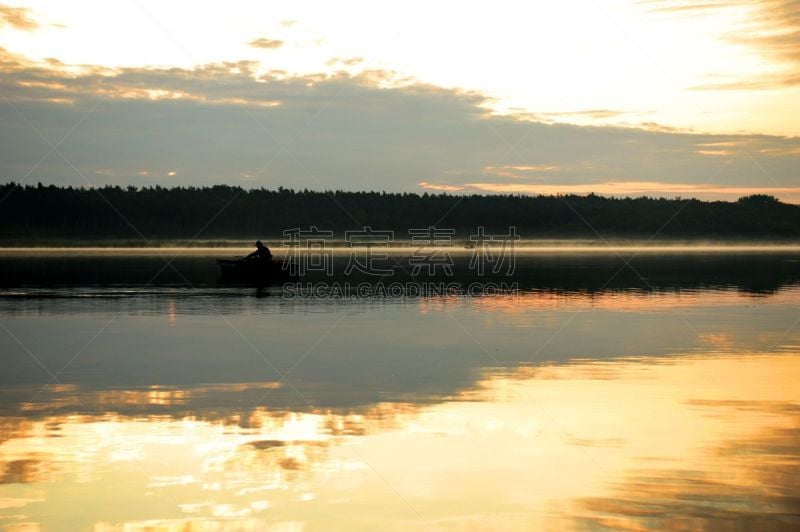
262	252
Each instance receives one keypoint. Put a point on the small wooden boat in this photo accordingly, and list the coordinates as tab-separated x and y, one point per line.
250	271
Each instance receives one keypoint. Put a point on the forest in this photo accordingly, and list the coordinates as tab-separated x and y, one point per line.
35	214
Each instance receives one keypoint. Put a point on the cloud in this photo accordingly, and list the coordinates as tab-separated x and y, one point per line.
17	17
770	27
220	83
263	42
230	123
519	170
773	29
590	113
345	61
635	188
440	188
683	7
762	82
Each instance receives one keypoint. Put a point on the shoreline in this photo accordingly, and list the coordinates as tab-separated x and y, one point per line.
456	248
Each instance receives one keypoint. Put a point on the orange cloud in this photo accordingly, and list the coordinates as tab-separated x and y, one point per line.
625	188
263	42
442	188
717	153
518	171
18	18
770	27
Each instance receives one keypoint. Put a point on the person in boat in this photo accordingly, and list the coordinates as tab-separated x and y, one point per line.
262	252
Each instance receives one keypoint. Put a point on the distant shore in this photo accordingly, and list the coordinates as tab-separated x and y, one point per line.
224	216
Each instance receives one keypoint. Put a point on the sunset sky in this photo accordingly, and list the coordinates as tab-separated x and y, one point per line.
621	97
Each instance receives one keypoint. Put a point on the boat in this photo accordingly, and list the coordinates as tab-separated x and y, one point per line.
255	271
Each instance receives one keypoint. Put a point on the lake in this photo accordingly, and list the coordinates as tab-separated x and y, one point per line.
603	389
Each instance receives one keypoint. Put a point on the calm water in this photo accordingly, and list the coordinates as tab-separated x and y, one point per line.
138	396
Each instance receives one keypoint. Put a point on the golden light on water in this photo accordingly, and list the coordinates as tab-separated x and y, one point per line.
567	442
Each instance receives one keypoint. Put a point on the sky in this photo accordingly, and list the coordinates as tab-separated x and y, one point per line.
618	97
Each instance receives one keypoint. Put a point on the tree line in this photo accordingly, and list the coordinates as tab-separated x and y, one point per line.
37	213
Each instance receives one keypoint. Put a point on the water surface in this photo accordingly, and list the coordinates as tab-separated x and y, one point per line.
139	396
